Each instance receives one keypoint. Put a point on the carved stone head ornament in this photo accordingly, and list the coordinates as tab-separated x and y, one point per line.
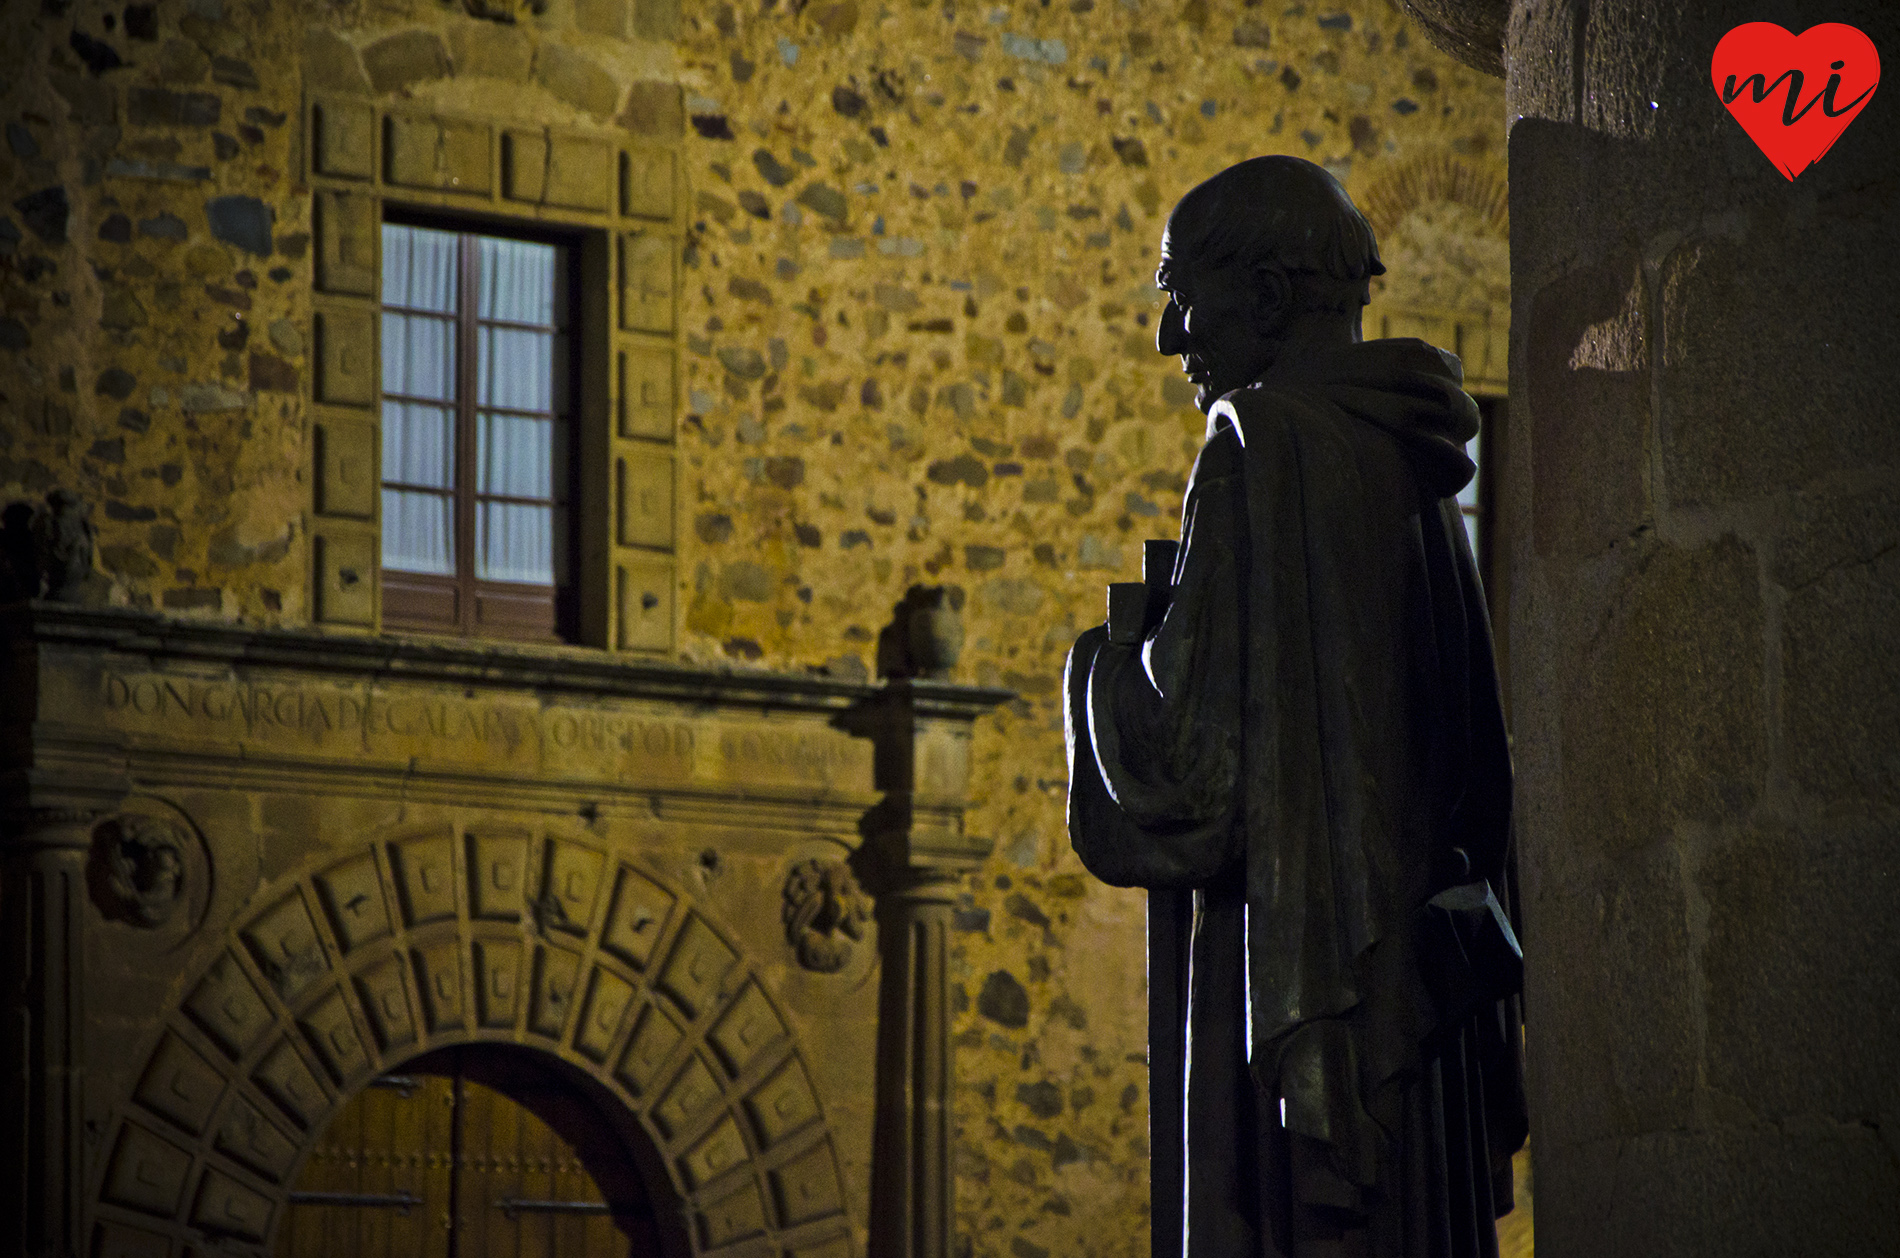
825	914
144	859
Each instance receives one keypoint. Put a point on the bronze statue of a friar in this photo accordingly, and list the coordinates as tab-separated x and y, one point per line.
1291	733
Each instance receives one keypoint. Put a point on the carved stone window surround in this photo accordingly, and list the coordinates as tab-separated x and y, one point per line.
624	200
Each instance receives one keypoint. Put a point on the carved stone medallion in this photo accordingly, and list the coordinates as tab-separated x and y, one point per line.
140	865
825	914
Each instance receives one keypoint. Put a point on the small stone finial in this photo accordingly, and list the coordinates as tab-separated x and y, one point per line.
825	913
925	636
62	532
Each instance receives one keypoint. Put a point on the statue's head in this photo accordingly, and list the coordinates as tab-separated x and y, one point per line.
1264	253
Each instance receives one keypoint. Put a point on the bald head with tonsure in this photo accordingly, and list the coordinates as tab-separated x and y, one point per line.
1266	257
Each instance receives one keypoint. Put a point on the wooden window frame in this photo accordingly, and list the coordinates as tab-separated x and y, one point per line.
478	608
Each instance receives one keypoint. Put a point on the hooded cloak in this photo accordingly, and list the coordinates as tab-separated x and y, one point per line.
1312	739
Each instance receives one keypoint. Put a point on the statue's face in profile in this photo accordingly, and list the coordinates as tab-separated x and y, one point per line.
1220	321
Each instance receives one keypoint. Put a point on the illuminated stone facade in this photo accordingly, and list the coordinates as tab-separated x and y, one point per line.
867	304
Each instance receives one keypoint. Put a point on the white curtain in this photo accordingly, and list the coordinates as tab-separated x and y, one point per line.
515	455
418	350
515	371
514	542
419	355
418	532
419	268
517	281
518	369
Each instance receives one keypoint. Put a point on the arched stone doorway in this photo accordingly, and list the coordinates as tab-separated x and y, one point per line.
486	936
478	1149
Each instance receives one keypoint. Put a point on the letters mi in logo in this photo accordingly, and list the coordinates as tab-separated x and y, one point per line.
1795	94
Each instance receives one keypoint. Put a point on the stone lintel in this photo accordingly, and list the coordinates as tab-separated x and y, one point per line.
114	695
490	666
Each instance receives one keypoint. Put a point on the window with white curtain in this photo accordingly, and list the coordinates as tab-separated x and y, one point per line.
476	395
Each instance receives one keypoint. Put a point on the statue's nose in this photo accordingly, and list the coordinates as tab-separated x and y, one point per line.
1171	332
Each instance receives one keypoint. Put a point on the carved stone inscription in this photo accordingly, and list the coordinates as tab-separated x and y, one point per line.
429	725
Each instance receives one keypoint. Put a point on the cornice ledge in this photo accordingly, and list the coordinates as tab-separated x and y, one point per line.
560	669
945	699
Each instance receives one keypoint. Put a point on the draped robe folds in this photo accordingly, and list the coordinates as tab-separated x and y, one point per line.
1312	739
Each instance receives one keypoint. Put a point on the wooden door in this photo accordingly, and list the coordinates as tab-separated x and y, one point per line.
460	1160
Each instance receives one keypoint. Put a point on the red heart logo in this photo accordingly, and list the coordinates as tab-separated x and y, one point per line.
1795	94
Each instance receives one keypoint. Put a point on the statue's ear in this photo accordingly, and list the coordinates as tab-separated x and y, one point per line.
1274	296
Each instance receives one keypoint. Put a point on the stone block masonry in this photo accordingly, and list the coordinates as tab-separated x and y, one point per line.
1703	505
